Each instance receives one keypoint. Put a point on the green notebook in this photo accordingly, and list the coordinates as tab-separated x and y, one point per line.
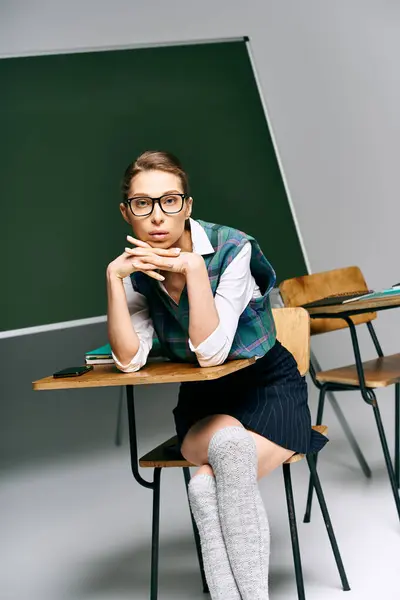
376	295
103	353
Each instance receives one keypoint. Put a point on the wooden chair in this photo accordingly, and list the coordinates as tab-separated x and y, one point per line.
293	330
380	372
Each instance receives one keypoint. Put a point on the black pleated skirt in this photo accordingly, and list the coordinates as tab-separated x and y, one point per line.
269	398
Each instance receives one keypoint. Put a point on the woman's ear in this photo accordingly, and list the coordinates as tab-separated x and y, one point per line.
124	212
189	206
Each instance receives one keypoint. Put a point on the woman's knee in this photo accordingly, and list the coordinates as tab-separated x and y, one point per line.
195	445
232	445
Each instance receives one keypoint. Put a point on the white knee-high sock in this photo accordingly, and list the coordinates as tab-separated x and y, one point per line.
233	457
203	502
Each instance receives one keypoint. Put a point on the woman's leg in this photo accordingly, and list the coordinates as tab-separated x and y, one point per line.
203	502
238	458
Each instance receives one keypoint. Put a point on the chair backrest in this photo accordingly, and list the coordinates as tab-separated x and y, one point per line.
293	332
301	290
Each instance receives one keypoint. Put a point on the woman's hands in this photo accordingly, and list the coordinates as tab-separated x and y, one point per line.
149	260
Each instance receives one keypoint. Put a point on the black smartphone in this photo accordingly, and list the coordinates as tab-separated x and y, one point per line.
73	371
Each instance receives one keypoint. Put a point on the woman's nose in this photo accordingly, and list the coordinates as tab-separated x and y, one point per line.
157	214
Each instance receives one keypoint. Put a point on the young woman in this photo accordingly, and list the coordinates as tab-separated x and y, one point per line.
204	290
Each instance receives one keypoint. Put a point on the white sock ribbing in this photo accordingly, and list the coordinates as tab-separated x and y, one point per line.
232	455
203	502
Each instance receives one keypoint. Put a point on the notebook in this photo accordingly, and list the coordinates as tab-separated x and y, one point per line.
348	297
99	356
103	356
336	299
376	295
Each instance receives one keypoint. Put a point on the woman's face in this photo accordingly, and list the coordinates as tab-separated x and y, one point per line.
158	229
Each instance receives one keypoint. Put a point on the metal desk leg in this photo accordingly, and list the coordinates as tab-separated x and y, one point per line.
397	435
153	485
335	548
118	429
388	460
345	426
301	594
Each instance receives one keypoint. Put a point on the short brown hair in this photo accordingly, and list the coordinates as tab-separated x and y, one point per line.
154	160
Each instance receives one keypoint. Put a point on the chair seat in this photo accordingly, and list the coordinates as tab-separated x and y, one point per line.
379	372
167	454
323	429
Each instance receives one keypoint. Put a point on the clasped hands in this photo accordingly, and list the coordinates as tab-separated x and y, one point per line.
150	260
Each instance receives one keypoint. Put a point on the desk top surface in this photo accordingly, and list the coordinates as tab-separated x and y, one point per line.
356	306
152	373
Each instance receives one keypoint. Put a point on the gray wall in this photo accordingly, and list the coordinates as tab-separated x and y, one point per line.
329	76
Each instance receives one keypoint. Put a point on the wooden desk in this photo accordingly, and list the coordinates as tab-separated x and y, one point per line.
156	371
357	307
346	312
387	364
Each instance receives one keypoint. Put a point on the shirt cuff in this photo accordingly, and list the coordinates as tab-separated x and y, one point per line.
213	350
137	362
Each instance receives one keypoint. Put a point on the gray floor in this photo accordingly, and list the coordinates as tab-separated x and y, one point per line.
76	526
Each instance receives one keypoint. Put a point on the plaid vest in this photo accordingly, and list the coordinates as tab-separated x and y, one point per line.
255	334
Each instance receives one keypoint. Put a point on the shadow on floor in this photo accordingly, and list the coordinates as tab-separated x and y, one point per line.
179	574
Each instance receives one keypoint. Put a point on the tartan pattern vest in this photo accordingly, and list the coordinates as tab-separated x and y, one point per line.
255	334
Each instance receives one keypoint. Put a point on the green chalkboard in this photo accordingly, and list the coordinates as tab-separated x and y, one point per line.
69	126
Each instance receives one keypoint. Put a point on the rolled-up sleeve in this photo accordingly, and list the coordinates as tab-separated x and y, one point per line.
235	290
143	326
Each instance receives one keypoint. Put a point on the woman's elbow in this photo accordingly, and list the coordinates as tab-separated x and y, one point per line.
129	364
128	368
216	357
215	361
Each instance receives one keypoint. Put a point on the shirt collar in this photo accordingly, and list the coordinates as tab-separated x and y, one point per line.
200	240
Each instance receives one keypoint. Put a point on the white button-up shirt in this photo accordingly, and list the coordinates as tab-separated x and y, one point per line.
235	290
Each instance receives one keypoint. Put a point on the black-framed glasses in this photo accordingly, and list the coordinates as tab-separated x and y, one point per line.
143	206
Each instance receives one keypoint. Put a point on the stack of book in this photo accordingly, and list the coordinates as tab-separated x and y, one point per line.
99	356
379	295
103	356
348	297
